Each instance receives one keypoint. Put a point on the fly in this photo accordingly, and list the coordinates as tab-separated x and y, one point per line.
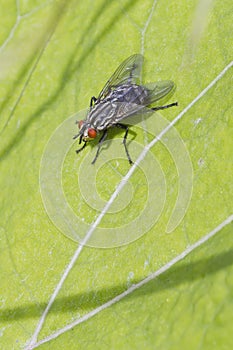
121	97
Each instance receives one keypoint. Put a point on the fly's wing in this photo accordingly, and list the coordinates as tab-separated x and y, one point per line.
128	72
158	90
126	110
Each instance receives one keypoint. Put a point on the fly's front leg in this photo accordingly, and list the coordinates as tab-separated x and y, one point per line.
164	107
126	128
93	100
80	149
101	140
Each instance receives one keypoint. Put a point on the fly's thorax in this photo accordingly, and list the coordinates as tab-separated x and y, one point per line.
101	115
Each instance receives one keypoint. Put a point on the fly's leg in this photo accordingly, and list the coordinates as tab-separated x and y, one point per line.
164	107
80	149
93	100
126	128
101	140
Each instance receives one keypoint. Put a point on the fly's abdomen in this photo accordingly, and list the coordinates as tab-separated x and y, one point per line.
130	93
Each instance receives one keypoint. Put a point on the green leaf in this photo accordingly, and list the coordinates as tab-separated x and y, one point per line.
54	56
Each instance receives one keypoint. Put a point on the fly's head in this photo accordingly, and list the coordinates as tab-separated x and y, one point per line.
86	131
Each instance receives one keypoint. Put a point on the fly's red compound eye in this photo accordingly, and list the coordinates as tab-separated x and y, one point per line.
80	124
92	133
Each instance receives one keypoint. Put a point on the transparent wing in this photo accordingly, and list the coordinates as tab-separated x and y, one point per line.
129	110
128	72
158	90
155	92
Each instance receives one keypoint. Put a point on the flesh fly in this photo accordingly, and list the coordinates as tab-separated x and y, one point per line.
122	97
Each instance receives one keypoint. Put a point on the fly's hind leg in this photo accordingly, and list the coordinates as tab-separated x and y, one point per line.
101	140
126	128
165	107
